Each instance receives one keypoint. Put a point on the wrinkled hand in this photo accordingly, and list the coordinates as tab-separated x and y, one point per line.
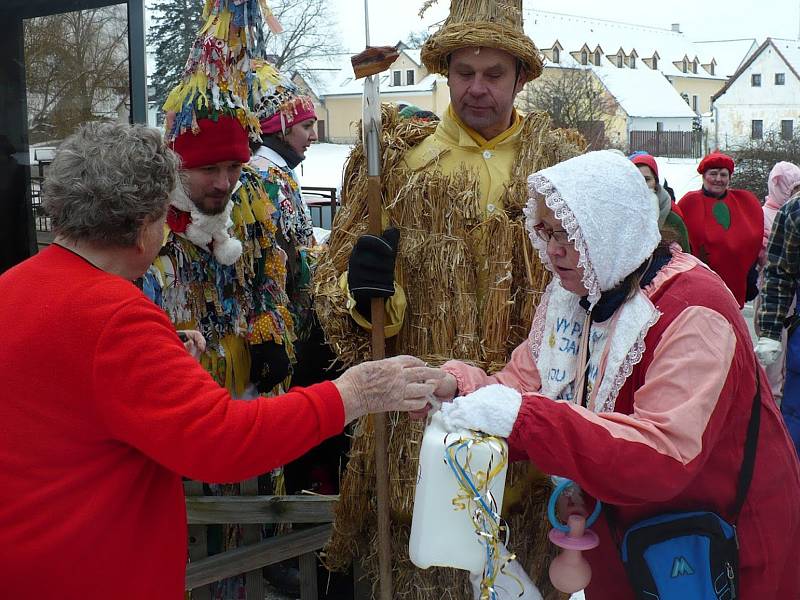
445	390
492	409
401	383
767	350
193	341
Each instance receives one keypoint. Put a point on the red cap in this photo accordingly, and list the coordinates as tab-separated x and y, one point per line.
646	159
716	160
217	141
299	109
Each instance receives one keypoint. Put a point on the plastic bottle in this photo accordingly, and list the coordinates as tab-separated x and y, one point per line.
442	534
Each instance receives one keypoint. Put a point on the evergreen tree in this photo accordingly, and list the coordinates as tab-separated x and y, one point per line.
174	27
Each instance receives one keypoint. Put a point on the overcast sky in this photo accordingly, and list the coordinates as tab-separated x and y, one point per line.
393	20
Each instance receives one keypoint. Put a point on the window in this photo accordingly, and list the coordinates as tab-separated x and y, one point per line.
396	78
780	78
695	103
620	60
755	80
694	66
410	77
584	57
632	61
711	69
756	129
787	129
685	66
597	57
556	55
655	63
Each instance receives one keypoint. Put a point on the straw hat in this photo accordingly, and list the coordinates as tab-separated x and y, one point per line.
482	23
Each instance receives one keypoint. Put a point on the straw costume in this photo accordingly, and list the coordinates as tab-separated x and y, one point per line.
225	274
449	192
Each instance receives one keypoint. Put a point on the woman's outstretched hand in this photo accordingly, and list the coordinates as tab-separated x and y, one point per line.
401	383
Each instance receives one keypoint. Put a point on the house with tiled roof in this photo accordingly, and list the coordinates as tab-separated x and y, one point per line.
762	97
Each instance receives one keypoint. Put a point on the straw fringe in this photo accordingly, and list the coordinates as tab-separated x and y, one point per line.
442	261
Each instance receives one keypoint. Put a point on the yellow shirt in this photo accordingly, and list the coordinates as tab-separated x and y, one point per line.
453	144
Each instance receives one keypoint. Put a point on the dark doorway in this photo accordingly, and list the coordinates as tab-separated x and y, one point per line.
42	99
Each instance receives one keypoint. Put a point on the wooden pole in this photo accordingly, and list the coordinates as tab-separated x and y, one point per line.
368	64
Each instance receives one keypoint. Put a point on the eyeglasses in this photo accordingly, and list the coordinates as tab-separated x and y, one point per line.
559	236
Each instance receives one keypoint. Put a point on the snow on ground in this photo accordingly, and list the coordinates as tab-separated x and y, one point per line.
680	173
323	165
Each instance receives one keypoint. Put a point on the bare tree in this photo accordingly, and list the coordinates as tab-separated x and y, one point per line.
574	99
77	69
309	34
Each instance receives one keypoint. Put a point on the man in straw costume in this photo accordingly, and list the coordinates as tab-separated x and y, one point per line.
464	283
221	270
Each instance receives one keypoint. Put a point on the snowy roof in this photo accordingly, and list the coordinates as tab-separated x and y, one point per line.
643	92
414	54
338	79
572	32
729	54
790	49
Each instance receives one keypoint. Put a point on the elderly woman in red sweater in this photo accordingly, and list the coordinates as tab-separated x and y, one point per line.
103	409
725	226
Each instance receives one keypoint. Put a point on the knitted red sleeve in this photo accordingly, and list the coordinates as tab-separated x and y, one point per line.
153	395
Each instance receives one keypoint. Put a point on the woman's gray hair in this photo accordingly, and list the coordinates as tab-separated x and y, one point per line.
107	179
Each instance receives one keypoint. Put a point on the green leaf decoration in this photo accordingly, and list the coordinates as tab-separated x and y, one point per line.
722	214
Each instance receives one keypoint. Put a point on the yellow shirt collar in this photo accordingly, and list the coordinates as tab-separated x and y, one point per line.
482	142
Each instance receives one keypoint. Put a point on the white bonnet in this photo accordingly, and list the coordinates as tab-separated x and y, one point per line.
606	209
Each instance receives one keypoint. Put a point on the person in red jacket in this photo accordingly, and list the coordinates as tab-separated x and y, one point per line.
103	409
637	381
725	226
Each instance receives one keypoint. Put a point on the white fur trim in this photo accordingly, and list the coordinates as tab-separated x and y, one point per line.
204	229
492	409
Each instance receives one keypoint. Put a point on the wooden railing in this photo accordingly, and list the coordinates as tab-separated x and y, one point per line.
252	512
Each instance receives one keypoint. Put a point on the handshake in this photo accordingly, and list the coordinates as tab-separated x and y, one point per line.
405	383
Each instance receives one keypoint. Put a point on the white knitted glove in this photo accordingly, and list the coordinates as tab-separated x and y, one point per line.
507	583
767	350
492	409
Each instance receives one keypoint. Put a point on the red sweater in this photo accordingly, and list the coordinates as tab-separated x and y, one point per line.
102	413
726	233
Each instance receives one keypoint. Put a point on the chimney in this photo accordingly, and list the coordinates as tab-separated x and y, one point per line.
676	27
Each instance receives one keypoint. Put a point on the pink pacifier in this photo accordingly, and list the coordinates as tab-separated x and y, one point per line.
569	571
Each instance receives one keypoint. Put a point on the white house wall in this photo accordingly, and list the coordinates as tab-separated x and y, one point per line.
668	123
741	104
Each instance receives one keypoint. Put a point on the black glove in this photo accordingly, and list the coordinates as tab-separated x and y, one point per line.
371	270
269	365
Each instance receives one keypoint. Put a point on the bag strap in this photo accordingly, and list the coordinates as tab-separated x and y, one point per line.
750	444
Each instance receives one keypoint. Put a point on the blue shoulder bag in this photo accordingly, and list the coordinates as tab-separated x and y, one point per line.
691	555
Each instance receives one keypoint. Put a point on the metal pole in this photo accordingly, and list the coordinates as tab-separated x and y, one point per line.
137	54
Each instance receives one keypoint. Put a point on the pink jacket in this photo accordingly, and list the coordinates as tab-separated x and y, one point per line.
782	180
674	440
